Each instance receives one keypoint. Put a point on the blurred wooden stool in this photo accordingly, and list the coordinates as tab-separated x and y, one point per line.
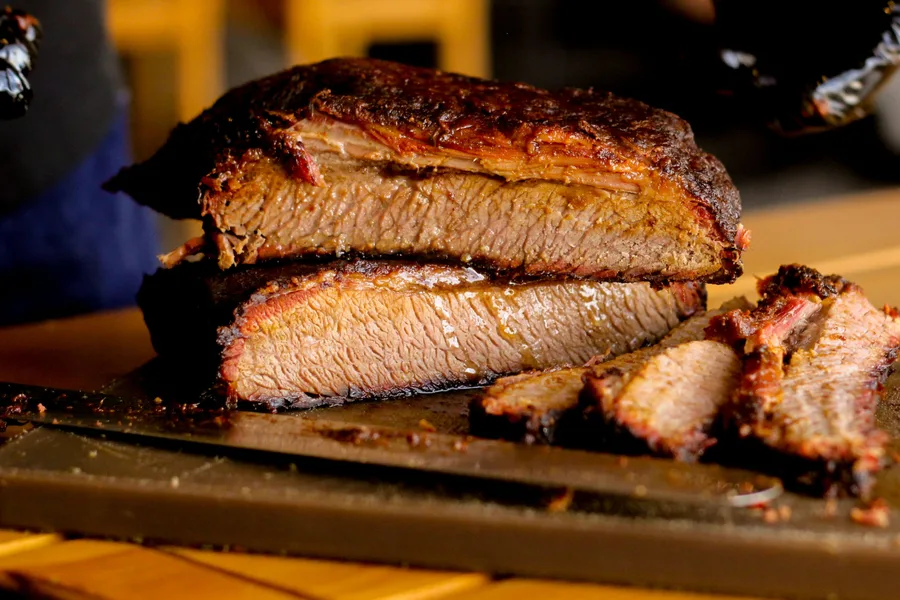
320	29
193	30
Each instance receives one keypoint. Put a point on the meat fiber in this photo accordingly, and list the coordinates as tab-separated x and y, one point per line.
544	407
665	403
663	400
300	335
375	158
535	408
816	354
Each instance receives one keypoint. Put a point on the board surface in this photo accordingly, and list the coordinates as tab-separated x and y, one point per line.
172	493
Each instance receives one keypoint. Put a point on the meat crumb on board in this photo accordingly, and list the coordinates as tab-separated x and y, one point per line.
876	514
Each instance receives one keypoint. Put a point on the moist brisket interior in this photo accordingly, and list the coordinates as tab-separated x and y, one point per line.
816	353
374	158
664	399
668	402
544	407
303	334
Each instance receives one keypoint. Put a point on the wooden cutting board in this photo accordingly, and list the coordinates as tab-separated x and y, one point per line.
179	493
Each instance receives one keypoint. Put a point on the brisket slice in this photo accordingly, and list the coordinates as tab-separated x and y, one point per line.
662	400
535	408
666	403
816	355
544	407
381	159
300	334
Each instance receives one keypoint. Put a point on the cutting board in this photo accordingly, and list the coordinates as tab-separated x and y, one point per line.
108	486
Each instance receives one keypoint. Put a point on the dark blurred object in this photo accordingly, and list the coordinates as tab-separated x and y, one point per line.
20	36
666	53
78	96
808	66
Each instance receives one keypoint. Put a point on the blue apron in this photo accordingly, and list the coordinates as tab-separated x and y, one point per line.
75	248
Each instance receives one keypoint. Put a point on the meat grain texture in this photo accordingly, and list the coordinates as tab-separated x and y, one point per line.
381	159
816	355
668	401
300	335
590	406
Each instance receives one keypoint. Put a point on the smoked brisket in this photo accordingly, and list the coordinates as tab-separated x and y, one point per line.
374	158
664	403
816	353
544	407
303	334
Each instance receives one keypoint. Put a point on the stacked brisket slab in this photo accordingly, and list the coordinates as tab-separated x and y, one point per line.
373	229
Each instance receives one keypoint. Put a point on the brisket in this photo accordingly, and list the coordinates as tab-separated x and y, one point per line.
665	403
302	334
374	158
664	399
535	408
544	407
816	355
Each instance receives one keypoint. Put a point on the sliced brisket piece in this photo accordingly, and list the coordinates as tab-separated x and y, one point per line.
664	399
301	335
535	408
816	354
376	158
544	407
667	403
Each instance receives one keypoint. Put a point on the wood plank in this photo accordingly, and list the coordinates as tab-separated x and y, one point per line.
516	589
823	230
113	571
849	236
62	553
13	542
338	580
83	353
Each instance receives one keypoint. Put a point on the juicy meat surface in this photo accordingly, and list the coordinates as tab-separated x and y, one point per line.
377	158
669	401
528	407
301	335
537	407
816	354
663	399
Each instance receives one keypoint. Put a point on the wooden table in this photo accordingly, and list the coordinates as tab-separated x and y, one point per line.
853	236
